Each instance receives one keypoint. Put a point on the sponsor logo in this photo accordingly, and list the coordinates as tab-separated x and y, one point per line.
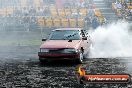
84	74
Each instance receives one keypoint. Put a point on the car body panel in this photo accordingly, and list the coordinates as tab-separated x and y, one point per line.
58	56
54	45
61	44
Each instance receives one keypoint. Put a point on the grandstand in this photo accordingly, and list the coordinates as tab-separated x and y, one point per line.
43	14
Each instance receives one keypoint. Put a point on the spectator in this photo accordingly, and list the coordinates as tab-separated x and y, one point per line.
95	23
119	5
87	21
90	13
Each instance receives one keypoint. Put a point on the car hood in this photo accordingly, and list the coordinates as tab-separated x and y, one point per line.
61	44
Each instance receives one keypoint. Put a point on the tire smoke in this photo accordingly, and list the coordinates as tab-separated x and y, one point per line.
113	40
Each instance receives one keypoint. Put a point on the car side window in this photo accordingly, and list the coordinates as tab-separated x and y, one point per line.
86	33
83	33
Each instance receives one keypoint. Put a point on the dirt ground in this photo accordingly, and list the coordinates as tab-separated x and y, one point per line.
20	68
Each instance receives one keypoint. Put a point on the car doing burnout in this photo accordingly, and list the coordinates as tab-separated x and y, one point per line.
65	43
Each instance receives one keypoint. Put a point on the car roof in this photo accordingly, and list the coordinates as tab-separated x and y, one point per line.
68	29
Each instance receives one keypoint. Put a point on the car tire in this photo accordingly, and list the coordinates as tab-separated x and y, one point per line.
81	58
82	80
42	60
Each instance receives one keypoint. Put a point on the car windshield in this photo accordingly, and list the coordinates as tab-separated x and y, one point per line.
65	35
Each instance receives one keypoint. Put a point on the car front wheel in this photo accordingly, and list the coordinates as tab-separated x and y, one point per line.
81	58
42	60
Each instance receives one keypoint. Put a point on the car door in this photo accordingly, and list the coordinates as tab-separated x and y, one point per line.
86	43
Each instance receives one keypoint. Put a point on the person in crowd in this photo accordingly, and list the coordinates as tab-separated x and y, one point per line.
87	21
118	5
95	22
90	12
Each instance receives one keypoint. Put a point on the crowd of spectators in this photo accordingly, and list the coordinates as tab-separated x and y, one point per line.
123	9
27	14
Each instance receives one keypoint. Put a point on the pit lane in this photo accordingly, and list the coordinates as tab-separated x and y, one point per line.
20	68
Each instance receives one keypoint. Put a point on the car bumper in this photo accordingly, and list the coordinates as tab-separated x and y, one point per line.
58	56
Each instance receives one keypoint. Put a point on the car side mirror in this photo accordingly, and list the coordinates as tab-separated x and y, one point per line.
44	39
84	38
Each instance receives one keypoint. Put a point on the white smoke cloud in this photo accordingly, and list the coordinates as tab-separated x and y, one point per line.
113	40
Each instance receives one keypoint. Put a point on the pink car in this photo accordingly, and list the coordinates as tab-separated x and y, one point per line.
65	43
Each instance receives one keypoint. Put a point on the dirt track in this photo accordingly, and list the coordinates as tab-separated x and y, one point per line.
20	68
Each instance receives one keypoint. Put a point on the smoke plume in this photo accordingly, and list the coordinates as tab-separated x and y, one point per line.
113	40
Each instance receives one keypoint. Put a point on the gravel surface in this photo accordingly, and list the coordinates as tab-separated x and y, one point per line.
20	68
